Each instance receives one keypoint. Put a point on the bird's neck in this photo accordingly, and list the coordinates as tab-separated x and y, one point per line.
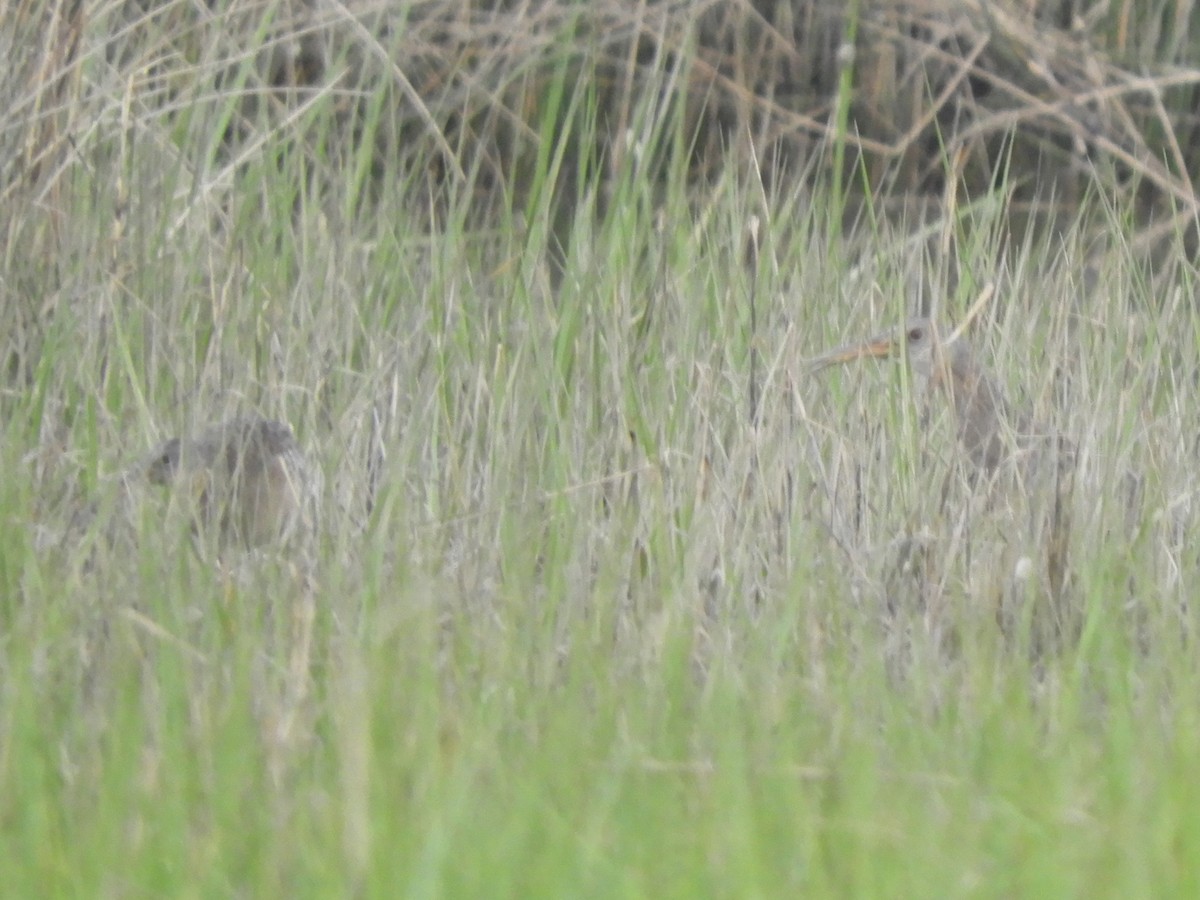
967	383
980	410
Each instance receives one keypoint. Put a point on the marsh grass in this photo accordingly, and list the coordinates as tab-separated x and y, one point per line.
609	596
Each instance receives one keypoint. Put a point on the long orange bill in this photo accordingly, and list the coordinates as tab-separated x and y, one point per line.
881	345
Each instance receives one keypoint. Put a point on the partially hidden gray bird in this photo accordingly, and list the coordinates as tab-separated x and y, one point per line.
247	477
997	439
990	430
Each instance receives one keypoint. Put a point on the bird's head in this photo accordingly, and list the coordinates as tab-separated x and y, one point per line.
163	466
930	352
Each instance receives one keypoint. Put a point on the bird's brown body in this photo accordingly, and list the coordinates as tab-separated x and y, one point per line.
247	477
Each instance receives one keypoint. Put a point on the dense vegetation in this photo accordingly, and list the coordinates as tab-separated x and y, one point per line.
609	595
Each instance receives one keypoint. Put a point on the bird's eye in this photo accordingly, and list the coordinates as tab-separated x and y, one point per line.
915	334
